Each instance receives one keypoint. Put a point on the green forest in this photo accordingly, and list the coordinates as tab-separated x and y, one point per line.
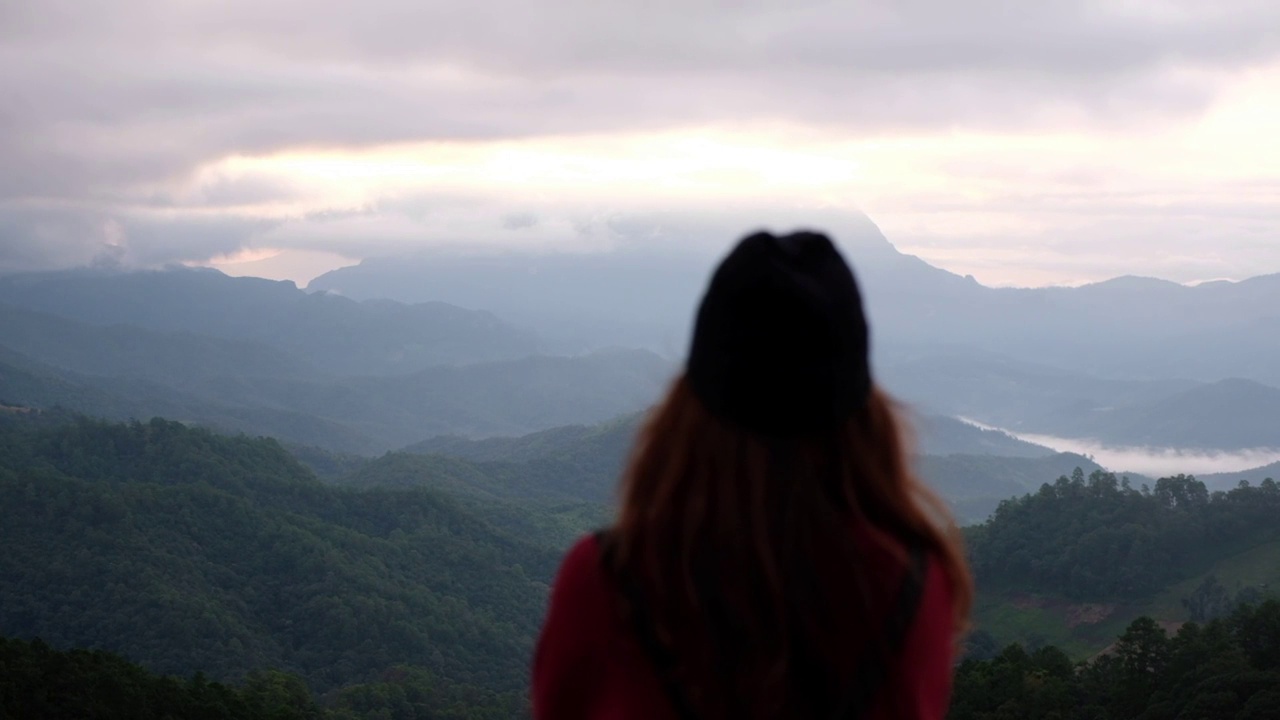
38	682
1227	669
188	552
1099	538
160	570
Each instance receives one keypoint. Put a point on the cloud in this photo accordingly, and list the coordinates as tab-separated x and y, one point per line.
519	221
39	238
127	112
140	89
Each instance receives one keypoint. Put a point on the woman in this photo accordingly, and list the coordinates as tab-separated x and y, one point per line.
774	556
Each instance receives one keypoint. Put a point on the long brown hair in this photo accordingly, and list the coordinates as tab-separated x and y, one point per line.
742	546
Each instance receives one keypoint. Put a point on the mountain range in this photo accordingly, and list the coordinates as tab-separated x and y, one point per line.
384	354
333	335
289	389
1126	328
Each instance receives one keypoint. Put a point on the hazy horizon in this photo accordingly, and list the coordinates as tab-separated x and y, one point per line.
303	266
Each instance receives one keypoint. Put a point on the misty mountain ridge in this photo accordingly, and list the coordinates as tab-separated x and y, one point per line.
941	435
336	335
126	371
25	382
1136	328
363	414
933	434
1232	414
496	398
973	469
1027	399
130	350
1128	361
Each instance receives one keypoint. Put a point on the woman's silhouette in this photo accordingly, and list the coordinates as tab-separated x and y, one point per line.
774	556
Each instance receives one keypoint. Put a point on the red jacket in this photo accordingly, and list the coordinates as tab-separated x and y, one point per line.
589	664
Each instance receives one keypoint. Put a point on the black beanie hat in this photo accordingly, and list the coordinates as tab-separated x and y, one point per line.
780	346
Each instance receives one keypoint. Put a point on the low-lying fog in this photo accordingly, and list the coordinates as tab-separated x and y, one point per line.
1150	461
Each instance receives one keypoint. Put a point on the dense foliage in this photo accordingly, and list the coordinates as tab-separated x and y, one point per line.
190	552
535	501
25	382
1099	538
38	682
1232	414
187	551
1228	669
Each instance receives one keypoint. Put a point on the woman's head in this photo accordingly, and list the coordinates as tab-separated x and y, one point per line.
746	483
780	345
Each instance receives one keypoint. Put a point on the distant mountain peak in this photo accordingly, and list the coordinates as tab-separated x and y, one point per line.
1134	282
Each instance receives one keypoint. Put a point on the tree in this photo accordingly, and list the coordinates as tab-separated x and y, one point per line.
1208	601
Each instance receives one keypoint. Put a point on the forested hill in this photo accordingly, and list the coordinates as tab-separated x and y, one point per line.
1226	670
1075	562
1100	539
38	682
187	551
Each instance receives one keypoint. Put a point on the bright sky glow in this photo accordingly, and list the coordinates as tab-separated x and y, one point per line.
985	204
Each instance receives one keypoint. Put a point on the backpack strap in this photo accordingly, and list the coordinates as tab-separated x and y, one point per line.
872	671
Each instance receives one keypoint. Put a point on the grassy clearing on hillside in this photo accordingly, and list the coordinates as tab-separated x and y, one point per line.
1083	630
1256	567
1079	629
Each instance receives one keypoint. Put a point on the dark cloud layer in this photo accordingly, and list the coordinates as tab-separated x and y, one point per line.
103	101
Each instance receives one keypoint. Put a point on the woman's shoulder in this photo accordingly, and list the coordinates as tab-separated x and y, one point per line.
583	556
572	640
580	579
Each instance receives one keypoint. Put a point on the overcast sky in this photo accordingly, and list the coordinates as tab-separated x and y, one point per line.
1024	143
